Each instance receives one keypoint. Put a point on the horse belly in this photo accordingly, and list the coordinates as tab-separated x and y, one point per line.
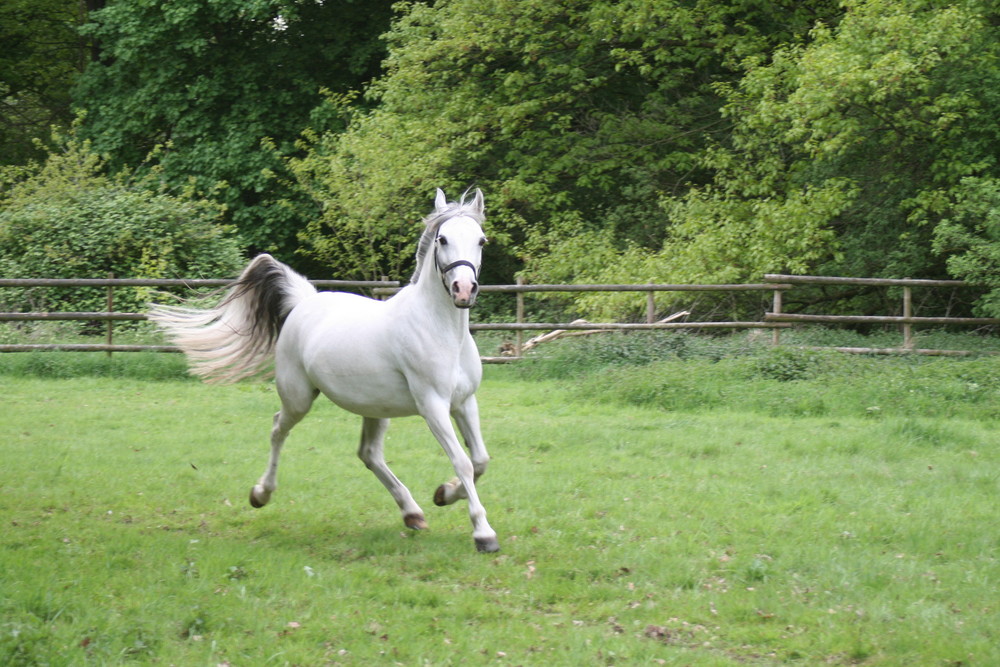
348	355
369	395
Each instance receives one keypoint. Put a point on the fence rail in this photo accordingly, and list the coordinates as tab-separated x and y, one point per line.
774	320
906	321
174	282
872	282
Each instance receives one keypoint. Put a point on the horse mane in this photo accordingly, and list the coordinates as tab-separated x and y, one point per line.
433	222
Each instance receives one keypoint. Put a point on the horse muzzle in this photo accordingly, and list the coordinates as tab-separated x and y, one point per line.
463	290
464	293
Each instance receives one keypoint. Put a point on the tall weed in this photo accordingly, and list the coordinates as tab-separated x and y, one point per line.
69	365
683	372
582	355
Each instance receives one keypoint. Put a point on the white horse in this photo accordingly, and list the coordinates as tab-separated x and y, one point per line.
409	355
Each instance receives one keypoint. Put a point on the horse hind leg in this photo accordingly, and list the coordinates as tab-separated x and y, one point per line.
261	492
370	451
293	409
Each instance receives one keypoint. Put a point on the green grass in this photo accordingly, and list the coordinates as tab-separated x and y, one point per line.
704	508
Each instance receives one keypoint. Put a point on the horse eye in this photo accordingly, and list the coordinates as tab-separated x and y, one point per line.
482	242
442	240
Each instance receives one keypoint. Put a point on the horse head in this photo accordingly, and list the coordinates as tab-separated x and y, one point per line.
458	242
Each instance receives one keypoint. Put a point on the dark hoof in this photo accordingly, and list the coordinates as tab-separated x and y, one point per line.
415	521
254	502
439	498
488	545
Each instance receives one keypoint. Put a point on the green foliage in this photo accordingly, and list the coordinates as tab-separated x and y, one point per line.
642	140
847	150
573	117
970	238
69	220
786	364
225	87
39	61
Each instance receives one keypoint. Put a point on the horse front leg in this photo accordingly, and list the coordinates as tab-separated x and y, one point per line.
370	451
437	416
467	418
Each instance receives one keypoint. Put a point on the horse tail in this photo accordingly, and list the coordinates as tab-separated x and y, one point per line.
236	338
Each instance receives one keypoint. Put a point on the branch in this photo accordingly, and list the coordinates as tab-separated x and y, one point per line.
565	333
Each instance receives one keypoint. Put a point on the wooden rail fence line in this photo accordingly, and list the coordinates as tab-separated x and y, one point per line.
775	319
906	321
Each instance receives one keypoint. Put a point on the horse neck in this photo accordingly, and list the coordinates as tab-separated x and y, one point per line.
436	302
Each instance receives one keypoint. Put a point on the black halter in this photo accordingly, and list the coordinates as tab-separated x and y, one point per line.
454	265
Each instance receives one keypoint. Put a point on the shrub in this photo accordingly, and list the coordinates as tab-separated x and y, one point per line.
68	220
789	363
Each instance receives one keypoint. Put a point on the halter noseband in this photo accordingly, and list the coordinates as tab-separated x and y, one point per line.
454	265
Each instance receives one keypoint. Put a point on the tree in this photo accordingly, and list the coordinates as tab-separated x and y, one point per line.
216	92
575	118
970	238
851	150
41	56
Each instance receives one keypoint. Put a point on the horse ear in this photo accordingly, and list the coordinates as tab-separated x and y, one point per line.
440	201
477	203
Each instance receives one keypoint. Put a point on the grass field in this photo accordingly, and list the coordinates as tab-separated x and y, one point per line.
694	509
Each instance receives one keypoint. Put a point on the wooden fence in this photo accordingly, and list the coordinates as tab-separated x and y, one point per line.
907	321
774	320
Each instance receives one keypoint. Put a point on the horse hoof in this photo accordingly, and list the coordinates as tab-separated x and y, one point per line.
415	521
439	497
487	545
254	501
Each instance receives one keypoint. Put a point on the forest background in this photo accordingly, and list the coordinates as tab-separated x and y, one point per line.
662	141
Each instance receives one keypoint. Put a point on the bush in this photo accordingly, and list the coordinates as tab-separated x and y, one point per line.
68	220
788	363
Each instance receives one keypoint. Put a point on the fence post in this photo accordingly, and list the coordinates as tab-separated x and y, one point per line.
110	309
776	309
650	307
519	338
907	312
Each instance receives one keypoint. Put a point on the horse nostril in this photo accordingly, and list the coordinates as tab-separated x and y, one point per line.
475	287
